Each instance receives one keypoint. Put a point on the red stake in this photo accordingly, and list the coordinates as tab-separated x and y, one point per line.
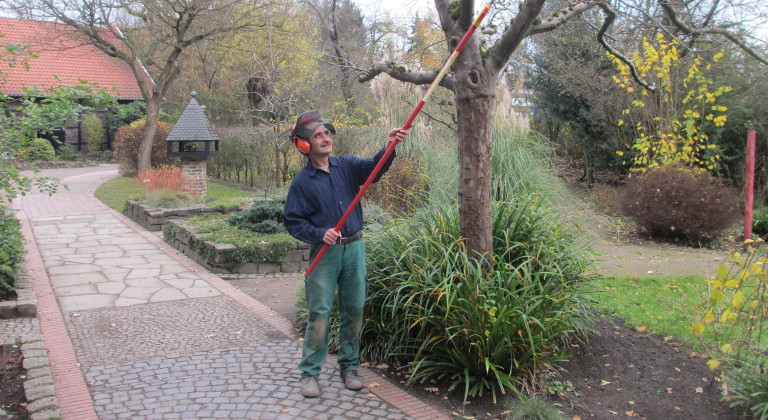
406	126
749	188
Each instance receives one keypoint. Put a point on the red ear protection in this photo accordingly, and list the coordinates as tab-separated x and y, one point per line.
301	144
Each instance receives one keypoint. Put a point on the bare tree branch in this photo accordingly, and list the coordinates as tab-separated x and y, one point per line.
403	75
674	18
610	17
514	34
553	22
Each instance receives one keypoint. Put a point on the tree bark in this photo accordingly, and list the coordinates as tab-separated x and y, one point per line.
148	135
475	149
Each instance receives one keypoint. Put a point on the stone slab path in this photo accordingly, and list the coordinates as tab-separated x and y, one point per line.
136	330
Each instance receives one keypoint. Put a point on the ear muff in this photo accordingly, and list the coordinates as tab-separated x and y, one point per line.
301	144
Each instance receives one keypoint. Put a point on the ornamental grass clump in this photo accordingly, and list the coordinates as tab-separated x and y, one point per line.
483	328
676	202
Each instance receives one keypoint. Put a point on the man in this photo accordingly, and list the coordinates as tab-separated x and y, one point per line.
316	201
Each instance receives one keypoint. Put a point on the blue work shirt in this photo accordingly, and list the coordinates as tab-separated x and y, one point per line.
317	199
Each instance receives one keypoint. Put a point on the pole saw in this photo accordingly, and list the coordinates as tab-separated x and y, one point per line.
406	126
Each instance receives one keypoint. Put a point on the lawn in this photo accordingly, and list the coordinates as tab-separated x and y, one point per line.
115	192
663	306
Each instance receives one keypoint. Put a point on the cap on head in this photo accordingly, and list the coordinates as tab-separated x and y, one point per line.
305	125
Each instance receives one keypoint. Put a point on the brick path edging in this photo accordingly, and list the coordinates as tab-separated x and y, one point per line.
70	394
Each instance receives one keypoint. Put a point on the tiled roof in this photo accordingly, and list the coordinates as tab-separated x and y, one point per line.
63	53
193	125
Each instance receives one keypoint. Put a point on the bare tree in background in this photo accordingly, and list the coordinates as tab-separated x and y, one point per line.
149	36
477	69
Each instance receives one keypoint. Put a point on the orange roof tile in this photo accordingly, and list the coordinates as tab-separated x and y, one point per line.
63	53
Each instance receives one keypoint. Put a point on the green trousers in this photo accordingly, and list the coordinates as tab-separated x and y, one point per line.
342	268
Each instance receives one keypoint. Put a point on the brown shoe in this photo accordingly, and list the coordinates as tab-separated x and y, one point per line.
352	380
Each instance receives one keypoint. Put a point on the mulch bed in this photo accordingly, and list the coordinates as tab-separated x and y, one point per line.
12	399
619	373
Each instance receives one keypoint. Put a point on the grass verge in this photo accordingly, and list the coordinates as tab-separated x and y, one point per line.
663	306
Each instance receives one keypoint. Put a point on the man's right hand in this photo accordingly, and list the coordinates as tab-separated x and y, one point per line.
331	236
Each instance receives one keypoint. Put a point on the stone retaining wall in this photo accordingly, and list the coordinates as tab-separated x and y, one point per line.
25	303
153	219
214	256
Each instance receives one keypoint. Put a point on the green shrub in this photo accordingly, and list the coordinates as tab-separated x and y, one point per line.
128	143
264	216
168	199
678	203
733	316
445	315
66	152
229	204
122	115
11	251
38	150
760	222
93	131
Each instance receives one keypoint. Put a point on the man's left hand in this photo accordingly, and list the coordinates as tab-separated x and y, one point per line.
396	134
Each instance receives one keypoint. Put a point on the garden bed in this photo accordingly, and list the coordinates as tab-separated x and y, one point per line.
250	253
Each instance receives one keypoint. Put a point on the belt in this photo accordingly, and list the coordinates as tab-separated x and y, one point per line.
349	239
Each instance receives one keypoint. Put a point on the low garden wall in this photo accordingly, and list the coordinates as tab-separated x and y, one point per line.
153	219
265	258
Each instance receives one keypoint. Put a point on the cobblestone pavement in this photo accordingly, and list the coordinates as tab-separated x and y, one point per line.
135	330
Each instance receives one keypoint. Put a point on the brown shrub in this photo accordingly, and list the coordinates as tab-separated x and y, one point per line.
677	203
395	189
128	143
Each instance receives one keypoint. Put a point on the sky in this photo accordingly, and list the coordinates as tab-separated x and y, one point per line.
396	8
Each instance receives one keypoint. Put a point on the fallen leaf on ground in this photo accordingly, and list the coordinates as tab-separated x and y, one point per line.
641	328
210	335
432	389
697	354
699	390
373	385
630	413
604	383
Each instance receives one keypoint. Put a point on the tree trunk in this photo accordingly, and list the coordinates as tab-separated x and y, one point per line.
148	136
475	149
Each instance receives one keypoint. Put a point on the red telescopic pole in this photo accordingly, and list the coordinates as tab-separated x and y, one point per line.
406	126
